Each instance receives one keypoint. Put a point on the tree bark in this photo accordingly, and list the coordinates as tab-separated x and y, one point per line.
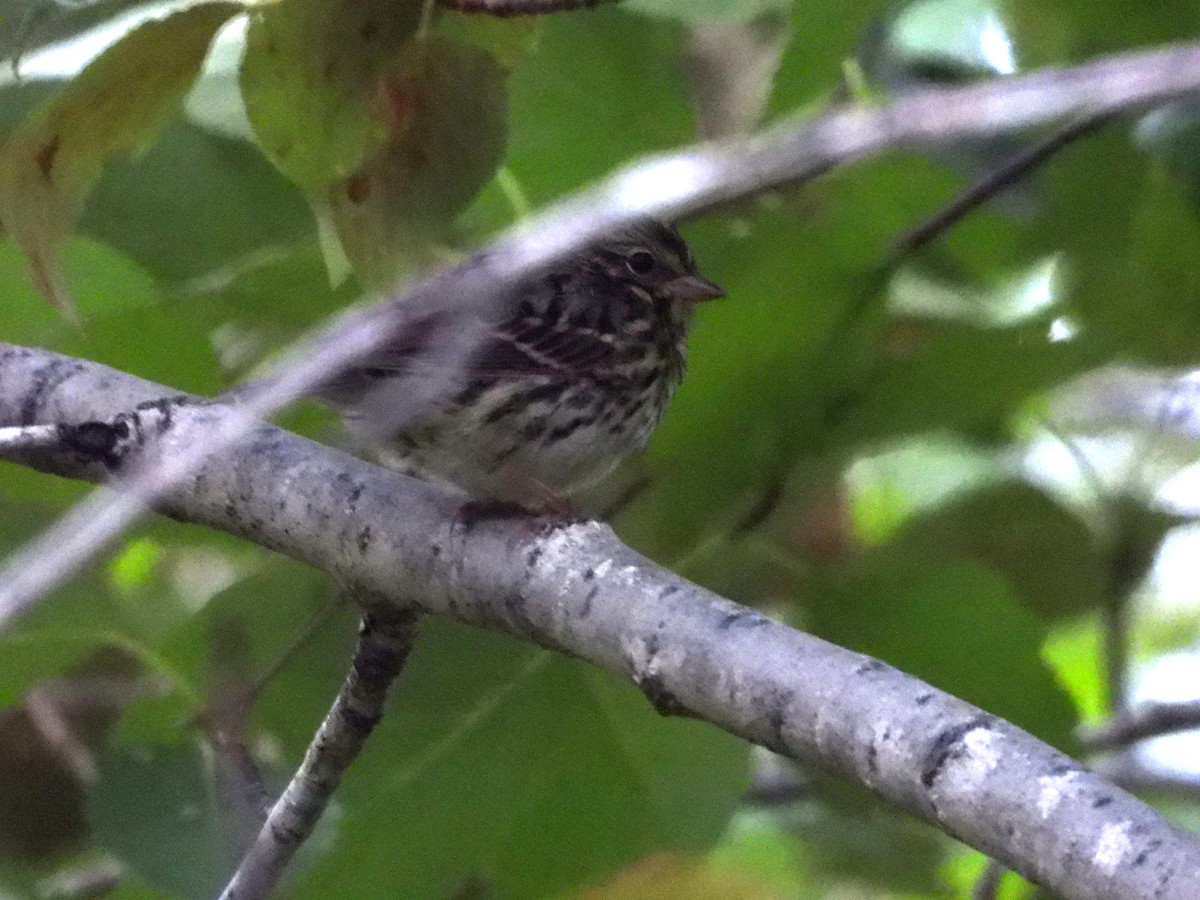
575	588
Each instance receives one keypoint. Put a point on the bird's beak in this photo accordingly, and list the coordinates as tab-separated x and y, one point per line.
693	289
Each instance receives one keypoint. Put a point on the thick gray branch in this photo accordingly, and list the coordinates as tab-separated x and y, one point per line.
577	589
672	186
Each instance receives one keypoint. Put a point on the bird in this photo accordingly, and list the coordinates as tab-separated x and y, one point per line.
570	379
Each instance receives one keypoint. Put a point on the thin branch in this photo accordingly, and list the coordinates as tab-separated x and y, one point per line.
505	8
987	887
60	737
1115	624
31	437
384	642
1139	722
674	186
217	720
1008	174
575	588
1127	770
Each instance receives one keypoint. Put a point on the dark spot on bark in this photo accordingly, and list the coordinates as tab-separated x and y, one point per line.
922	699
533	556
1101	802
871	665
664	702
94	442
668	591
364	539
45	380
589	575
947	746
514	605
358	722
1151	846
436	551
743	618
729	620
1062	769
586	609
653	645
872	758
777	716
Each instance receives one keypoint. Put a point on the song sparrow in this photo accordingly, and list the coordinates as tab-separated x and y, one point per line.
565	387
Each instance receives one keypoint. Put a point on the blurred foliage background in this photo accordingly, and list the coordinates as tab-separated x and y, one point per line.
897	450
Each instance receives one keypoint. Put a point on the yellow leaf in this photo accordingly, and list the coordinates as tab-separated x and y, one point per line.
117	104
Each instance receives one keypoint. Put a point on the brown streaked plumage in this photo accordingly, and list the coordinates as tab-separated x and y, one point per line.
567	385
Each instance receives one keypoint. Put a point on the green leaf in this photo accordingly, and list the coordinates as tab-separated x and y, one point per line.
499	763
158	810
1044	550
965	379
446	109
118	103
390	135
573	123
509	39
952	622
310	77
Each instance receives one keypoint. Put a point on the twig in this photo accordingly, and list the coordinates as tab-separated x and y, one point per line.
1127	769
384	642
17	439
520	7
987	887
1115	622
219	720
56	730
674	186
1005	176
1141	721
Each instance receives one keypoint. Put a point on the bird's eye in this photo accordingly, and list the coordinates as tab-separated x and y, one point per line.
640	262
